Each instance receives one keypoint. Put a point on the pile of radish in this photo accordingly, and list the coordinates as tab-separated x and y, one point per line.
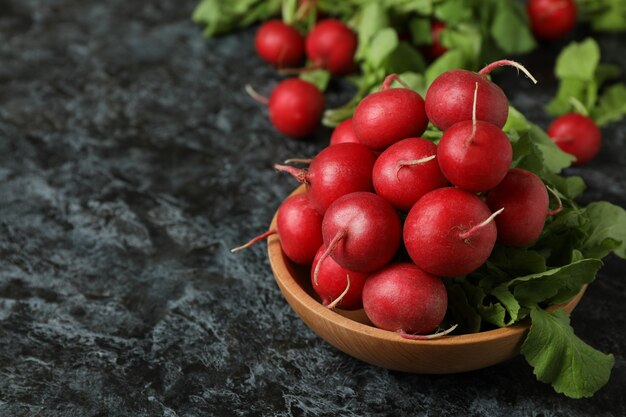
388	215
295	105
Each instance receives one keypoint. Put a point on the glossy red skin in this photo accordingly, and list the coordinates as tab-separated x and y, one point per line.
403	298
279	44
344	133
332	281
331	45
432	232
577	135
436	49
296	107
403	188
386	117
339	170
450	99
480	165
525	200
551	19
299	226
373	231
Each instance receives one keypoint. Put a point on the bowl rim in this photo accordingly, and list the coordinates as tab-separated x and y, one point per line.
287	283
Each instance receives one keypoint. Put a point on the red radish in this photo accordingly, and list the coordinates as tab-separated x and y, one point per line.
361	232
295	107
279	44
299	227
436	49
474	155
406	171
388	116
551	19
336	171
577	135
403	298
344	132
332	281
449	97
449	232
524	198
331	45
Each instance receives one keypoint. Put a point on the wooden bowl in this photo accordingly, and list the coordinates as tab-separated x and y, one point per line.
353	333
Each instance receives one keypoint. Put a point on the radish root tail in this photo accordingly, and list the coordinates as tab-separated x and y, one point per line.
485	71
256	96
390	79
410	162
254	240
436	335
331	247
298	173
558	199
341	296
472	135
479	226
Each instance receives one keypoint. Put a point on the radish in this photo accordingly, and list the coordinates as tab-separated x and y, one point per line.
524	198
577	135
331	45
295	107
336	171
551	19
436	49
406	171
279	44
449	232
388	116
299	227
474	155
344	132
336	286
449	97
361	232
403	298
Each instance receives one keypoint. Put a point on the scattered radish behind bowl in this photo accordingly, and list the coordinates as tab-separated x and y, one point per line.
577	135
331	45
279	44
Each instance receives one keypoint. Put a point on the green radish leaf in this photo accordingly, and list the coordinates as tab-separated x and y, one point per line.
554	285
510	29
320	78
453	12
568	88
607	230
450	60
578	60
382	45
560	358
611	106
372	18
405	58
420	31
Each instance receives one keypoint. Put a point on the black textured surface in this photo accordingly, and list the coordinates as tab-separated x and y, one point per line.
131	160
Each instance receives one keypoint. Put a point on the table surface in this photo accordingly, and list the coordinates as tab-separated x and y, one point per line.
131	161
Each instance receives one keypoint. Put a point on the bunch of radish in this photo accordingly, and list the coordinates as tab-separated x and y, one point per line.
295	105
457	198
